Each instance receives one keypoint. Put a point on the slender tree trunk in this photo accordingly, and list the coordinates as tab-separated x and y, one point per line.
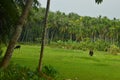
24	34
43	37
16	34
52	35
47	36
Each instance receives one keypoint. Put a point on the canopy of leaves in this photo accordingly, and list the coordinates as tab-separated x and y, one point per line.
98	1
10	10
8	16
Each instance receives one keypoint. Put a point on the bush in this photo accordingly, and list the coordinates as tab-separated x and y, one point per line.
50	71
114	49
101	45
17	72
84	45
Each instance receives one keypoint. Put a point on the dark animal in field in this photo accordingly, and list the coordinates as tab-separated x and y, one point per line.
91	52
17	47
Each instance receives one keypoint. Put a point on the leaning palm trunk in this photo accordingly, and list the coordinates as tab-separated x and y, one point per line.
16	35
43	37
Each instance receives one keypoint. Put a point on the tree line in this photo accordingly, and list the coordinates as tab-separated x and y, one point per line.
71	26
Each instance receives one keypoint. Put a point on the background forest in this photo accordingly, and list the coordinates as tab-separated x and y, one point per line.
72	30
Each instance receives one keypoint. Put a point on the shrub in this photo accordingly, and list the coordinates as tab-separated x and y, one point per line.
17	72
100	45
84	45
114	49
50	71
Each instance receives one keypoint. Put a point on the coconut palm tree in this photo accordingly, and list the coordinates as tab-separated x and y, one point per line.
43	37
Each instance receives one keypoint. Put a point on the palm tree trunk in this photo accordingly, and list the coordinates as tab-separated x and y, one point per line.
43	37
52	35
16	35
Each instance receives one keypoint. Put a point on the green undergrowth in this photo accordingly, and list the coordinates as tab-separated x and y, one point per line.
17	72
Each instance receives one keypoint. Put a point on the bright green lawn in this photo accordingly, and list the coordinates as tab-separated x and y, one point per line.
72	64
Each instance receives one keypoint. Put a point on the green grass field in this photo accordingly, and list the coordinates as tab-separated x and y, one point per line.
72	64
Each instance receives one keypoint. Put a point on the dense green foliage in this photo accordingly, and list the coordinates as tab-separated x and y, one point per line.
113	49
61	26
98	1
50	71
17	72
83	45
10	11
100	32
8	16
